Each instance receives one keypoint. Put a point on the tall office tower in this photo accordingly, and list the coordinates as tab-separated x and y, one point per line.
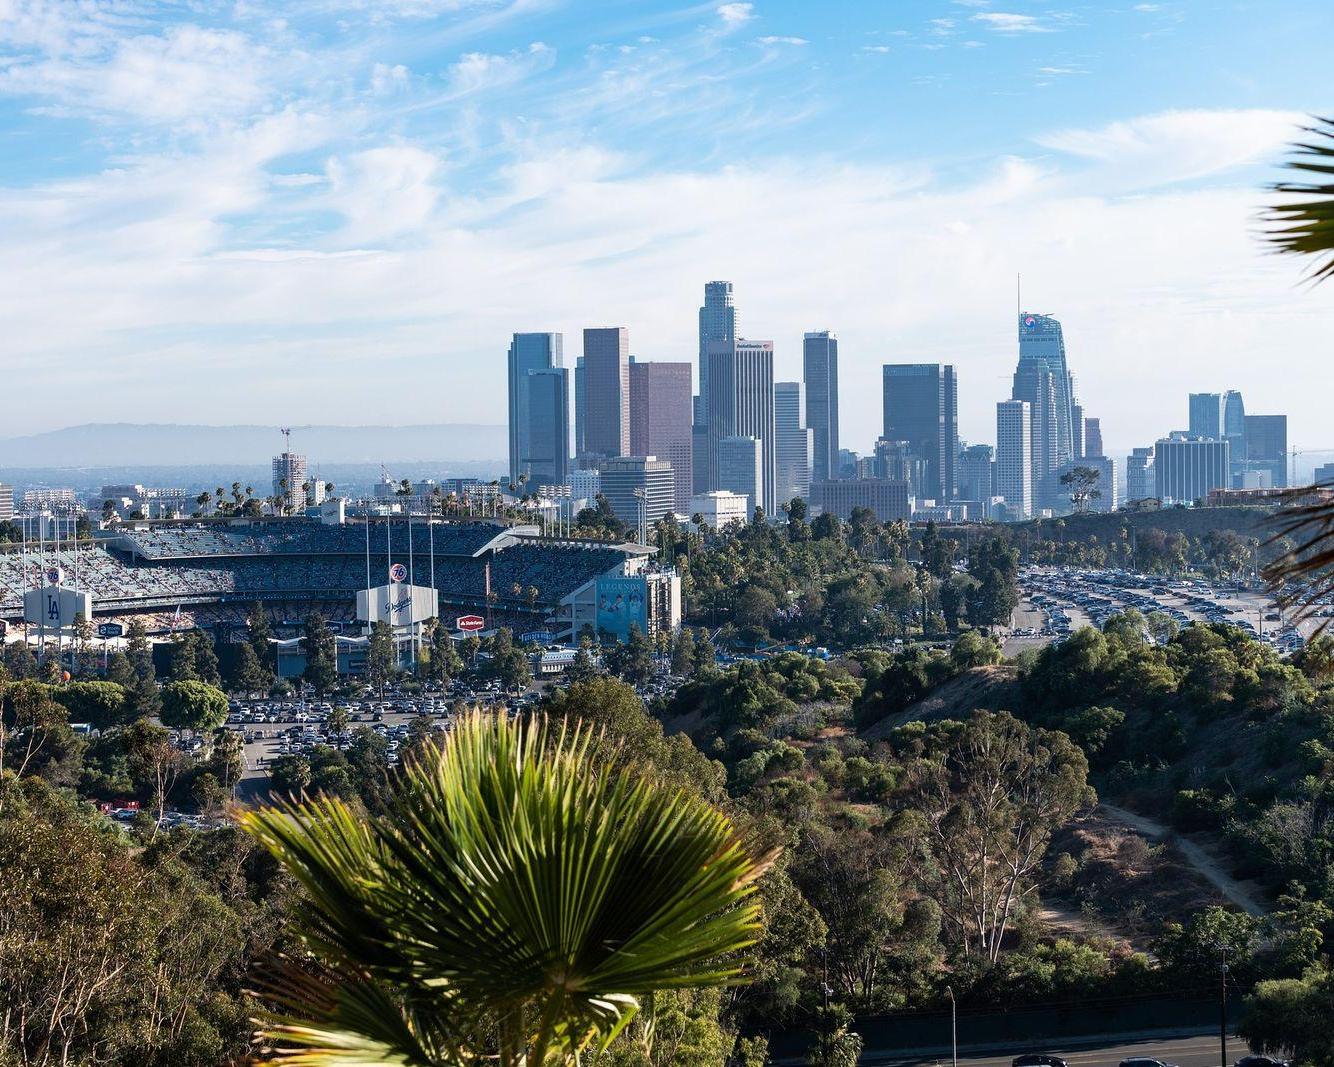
921	406
717	323
1206	415
1267	448
1139	475
1092	439
819	356
977	473
1234	429
741	404
528	352
1077	446
661	419
289	478
623	477
1051	399
1109	492
1186	468
741	469
607	391
1322	475
1014	457
794	443
539	409
580	403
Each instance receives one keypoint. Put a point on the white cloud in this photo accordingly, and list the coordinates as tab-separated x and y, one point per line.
736	13
383	193
783	40
1178	145
480	71
879	49
1008	22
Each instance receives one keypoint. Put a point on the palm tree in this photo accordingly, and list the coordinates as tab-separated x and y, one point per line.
517	906
1304	226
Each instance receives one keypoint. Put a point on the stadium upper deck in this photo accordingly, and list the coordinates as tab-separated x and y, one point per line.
167	566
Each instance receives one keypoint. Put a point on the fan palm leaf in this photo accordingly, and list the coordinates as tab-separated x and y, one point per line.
519	886
1305	227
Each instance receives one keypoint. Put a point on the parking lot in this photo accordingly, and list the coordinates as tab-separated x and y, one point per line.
274	728
1057	601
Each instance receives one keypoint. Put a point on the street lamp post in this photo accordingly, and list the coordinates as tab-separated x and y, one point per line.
1222	1007
954	1027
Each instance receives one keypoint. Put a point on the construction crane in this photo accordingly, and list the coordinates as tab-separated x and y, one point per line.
286	431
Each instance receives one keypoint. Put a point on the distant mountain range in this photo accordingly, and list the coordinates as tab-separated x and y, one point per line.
134	444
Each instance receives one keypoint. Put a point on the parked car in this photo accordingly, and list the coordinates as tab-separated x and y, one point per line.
1145	1061
1037	1059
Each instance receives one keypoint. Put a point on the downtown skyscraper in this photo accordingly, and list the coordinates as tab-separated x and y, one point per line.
793	449
539	410
1014	457
741	404
717	324
921	407
660	420
819	356
1043	380
607	391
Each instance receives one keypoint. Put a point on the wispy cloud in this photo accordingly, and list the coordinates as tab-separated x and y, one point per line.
736	13
783	40
1008	22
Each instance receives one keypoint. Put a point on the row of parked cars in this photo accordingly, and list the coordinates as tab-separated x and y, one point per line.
1041	1059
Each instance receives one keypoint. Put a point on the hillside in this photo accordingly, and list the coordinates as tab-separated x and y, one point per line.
992	688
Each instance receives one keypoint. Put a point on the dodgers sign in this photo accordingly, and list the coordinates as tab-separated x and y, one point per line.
397	604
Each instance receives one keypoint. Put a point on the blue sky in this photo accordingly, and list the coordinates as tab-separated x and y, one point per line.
337	210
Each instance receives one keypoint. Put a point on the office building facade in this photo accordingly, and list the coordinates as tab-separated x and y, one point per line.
920	404
793	447
890	499
1140	475
741	469
622	478
719	508
1014	457
607	391
1186	469
741	404
530	353
1267	449
1234	430
1092	439
661	417
1043	380
819	359
977	473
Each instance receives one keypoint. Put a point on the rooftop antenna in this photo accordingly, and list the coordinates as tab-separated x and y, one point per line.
1018	299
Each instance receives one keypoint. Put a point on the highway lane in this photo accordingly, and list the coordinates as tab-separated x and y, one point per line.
1200	1050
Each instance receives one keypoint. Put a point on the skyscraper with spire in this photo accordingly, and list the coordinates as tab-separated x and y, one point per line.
1043	380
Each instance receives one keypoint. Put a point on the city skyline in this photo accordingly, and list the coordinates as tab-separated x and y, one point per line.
385	190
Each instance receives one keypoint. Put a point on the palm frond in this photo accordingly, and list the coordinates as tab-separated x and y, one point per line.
1305	226
1304	576
519	880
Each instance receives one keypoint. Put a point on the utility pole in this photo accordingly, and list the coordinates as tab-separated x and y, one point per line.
1222	1008
954	1028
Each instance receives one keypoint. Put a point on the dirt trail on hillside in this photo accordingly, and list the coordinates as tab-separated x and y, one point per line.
1203	861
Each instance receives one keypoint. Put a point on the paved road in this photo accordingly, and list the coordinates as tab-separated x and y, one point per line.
1198	1051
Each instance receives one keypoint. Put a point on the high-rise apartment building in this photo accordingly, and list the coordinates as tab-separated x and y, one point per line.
1043	379
819	355
1014	457
1186	468
289	479
921	407
717	324
661	420
624	478
741	469
977	473
1267	448
741	404
1139	475
607	391
794	443
6	502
